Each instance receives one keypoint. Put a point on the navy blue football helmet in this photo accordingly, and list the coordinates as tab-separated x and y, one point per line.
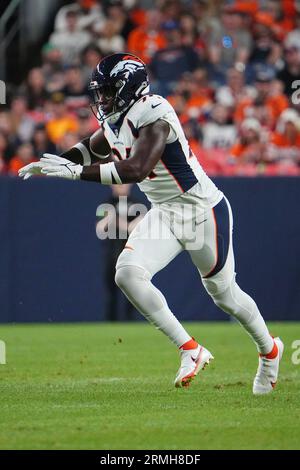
120	80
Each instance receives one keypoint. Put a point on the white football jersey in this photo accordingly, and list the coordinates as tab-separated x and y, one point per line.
178	170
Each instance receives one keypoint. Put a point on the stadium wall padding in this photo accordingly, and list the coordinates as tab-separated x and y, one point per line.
50	257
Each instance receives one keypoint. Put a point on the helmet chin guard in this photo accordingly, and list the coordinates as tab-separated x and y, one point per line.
121	78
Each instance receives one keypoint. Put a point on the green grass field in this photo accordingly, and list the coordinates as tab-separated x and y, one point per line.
103	386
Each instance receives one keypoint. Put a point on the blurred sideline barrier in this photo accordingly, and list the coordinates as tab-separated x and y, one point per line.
51	261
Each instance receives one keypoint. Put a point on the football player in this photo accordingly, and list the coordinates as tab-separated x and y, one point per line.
141	141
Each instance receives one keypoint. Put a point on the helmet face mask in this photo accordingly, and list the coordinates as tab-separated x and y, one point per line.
117	82
102	100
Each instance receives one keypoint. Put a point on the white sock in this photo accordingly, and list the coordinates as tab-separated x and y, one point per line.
135	282
242	307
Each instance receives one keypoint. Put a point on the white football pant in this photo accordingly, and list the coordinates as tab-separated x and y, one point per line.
206	233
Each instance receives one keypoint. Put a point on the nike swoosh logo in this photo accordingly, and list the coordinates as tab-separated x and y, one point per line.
155	106
202	222
195	359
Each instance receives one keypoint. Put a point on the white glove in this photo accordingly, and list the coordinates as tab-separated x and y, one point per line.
53	165
31	169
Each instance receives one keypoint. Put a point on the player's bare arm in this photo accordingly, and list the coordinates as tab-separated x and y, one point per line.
144	155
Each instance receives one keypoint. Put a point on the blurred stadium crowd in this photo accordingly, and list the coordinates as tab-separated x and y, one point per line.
230	69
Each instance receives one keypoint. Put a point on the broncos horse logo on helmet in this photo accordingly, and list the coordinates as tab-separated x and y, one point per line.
119	79
127	66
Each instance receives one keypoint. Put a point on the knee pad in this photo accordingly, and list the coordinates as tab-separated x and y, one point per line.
219	283
228	299
235	302
127	276
227	302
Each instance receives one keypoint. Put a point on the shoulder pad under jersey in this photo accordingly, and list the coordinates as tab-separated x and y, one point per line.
148	109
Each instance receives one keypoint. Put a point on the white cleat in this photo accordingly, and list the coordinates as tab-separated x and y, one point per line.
267	372
192	360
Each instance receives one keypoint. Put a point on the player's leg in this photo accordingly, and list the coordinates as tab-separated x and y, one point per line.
150	247
215	262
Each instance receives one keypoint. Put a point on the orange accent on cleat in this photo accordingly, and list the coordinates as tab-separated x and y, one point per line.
272	354
128	247
203	358
186	381
191	344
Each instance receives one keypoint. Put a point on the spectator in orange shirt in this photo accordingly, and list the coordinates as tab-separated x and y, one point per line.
145	40
192	97
268	103
283	14
179	102
24	155
285	141
200	93
62	121
250	147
